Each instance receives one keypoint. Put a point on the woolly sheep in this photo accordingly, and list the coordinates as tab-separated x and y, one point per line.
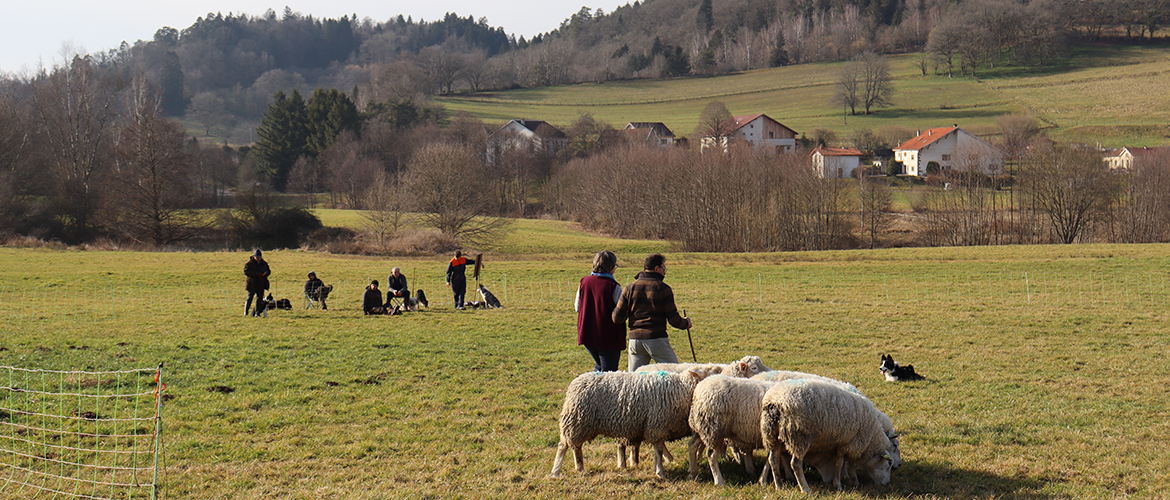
726	409
887	424
746	367
805	417
630	407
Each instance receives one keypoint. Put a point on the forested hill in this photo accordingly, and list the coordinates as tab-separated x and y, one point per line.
221	72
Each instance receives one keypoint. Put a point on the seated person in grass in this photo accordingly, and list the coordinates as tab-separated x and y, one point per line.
372	300
315	289
396	285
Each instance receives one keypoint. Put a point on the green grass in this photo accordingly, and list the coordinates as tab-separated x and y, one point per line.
1044	364
1108	94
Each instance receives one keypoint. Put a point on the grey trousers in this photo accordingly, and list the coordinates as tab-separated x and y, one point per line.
641	351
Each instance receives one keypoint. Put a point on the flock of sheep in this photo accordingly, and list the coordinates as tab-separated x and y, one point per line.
798	418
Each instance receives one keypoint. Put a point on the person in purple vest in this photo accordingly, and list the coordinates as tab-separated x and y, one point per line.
596	297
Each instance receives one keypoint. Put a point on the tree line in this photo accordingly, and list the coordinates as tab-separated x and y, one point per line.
224	68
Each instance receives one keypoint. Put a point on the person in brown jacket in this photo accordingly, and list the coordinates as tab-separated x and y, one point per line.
648	305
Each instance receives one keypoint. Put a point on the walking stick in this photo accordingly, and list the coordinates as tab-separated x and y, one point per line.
689	340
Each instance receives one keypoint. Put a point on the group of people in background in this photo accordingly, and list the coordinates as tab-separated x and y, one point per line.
256	272
647	305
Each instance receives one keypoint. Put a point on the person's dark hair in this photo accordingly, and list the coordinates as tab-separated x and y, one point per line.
604	262
374	282
654	261
458	254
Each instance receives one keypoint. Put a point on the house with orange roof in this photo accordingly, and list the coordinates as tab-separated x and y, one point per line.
835	163
759	130
1126	158
948	148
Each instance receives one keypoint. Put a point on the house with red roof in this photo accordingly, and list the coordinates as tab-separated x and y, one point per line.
948	148
835	163
759	130
1126	158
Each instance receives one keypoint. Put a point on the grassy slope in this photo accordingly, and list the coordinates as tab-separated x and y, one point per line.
1042	381
1107	94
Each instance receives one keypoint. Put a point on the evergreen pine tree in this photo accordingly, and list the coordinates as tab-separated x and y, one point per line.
171	83
704	19
328	112
283	137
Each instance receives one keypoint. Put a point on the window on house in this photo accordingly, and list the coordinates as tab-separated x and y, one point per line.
771	135
946	157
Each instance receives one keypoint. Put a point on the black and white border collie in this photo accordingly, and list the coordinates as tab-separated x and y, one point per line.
895	372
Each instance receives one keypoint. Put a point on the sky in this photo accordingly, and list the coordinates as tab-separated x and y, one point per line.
33	33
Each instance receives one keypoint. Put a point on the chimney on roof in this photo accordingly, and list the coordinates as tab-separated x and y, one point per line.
930	132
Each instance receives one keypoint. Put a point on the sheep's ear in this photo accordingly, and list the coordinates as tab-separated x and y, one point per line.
886	455
743	366
892	434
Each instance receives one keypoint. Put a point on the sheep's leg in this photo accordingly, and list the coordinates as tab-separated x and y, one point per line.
766	469
634	452
713	454
774	458
621	455
787	470
852	471
556	469
693	456
837	478
578	458
798	469
659	450
749	463
666	453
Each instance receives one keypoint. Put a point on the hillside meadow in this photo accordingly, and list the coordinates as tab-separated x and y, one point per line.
1045	365
1110	94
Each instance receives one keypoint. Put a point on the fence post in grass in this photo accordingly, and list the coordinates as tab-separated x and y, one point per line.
886	281
1027	287
760	278
505	287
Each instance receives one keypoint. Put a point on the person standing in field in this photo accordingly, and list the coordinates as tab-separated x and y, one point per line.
597	296
256	272
457	278
648	304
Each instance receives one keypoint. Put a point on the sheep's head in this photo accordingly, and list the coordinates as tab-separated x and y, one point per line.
696	374
878	467
894	451
755	364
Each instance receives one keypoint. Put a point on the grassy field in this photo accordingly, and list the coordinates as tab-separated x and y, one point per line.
1046	377
1107	94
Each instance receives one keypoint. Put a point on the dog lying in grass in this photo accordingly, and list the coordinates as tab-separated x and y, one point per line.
895	372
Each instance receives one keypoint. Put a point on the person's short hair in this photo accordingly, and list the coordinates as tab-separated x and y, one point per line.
605	261
654	261
458	254
396	269
374	282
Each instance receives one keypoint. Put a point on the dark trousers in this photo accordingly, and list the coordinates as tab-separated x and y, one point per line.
603	360
459	289
248	303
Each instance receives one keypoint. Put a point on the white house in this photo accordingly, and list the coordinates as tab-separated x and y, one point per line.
949	148
835	163
521	134
651	132
759	130
1125	158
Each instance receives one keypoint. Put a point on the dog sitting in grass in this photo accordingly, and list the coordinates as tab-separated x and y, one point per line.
489	299
895	372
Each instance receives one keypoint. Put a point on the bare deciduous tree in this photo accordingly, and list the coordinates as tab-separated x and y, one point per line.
875	198
385	207
1071	187
152	182
448	184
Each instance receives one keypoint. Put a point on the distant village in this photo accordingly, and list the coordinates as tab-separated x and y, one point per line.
931	151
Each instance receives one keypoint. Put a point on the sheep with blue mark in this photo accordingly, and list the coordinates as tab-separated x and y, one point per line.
807	417
633	408
746	367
